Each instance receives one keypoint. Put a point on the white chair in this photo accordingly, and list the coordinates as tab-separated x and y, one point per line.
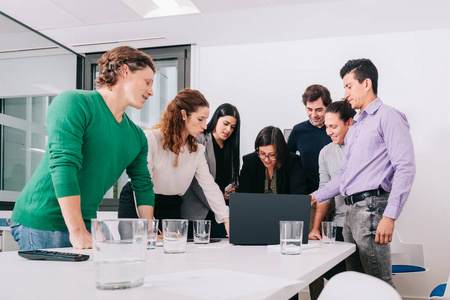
441	292
356	286
406	258
410	275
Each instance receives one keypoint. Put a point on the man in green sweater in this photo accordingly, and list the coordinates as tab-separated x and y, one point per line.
91	141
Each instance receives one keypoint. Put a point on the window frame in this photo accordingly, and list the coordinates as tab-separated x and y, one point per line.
182	53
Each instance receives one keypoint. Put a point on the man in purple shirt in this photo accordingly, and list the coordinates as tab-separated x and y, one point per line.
377	172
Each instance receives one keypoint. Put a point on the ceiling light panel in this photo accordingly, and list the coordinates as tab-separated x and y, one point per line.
141	7
161	8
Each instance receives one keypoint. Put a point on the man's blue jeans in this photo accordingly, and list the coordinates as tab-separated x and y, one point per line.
30	239
360	228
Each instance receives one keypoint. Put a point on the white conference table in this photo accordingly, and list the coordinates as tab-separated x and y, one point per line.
255	267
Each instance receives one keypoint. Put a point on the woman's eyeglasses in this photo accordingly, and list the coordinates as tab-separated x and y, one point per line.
271	156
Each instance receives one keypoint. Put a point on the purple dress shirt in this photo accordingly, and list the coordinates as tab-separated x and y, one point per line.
379	152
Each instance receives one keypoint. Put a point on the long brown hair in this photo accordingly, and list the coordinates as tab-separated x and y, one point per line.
172	124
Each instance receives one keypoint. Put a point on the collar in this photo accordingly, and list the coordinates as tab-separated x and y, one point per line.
373	106
207	135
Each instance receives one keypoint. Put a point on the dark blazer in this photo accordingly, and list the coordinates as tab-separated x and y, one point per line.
290	177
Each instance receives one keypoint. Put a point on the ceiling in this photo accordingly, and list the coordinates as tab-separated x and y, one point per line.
98	25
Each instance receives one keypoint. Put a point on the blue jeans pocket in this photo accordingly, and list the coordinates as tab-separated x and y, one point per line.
13	224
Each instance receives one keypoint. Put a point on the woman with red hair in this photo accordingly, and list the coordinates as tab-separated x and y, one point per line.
174	159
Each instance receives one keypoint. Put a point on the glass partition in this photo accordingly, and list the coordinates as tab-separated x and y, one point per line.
34	69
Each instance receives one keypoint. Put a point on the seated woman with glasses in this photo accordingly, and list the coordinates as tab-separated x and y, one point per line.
221	141
272	169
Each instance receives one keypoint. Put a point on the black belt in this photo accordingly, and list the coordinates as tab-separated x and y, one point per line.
352	199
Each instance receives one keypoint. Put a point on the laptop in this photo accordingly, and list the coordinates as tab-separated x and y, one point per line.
255	218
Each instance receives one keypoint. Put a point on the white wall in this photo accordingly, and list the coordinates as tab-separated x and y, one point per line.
265	81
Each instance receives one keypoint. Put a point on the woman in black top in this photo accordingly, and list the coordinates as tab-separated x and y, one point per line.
272	169
221	141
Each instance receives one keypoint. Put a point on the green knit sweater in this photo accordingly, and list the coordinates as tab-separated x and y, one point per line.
87	151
